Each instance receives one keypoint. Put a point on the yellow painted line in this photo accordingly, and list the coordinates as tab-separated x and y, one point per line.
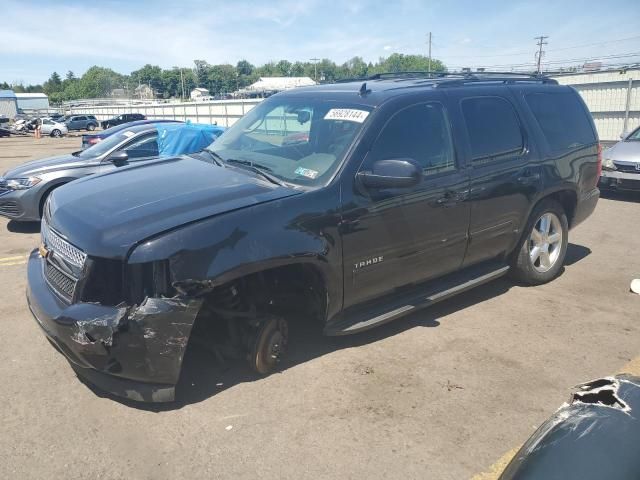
497	468
10	259
494	472
633	367
23	262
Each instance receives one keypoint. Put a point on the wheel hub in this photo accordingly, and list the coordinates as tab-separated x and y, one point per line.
545	242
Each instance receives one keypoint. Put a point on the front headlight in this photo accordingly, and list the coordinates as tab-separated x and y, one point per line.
608	164
22	183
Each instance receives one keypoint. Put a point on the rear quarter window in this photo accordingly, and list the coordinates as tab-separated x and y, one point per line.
562	119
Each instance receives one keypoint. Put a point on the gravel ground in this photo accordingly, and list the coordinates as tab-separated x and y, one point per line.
439	394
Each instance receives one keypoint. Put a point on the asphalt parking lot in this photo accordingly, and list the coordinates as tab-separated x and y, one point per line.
439	394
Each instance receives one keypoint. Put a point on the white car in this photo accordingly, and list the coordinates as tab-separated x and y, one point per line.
53	128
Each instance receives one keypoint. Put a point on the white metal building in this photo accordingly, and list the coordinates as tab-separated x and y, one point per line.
8	104
276	84
198	93
613	98
32	101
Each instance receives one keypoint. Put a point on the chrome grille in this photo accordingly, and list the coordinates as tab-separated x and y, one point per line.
627	167
60	281
60	246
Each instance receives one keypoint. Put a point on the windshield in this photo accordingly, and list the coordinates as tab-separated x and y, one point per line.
298	140
634	136
107	144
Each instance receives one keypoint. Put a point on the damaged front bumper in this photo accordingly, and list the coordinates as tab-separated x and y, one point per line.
134	352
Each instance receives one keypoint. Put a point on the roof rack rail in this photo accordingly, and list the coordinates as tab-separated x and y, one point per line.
467	77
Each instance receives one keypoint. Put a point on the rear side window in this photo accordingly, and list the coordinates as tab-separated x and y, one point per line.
420	132
493	126
562	118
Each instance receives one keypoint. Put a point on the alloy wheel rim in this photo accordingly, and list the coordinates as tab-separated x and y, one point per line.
545	242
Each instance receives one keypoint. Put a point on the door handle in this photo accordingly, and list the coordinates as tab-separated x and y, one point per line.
528	178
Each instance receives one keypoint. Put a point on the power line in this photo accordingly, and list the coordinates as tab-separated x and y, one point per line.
513	54
541	42
429	69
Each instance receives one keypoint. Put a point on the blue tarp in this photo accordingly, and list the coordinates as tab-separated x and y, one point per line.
182	138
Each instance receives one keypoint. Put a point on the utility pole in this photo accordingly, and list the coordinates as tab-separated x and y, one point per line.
541	41
182	83
429	68
315	68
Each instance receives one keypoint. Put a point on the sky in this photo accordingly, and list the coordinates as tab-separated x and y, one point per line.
40	36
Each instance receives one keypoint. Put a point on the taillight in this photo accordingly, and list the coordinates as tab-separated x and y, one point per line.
94	140
599	168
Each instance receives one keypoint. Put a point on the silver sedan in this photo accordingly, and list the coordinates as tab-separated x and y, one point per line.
621	164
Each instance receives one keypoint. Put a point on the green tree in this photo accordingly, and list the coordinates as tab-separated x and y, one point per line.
98	82
244	68
148	75
283	67
398	62
53	85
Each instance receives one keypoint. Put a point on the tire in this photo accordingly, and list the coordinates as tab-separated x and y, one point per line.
56	133
91	127
540	254
106	125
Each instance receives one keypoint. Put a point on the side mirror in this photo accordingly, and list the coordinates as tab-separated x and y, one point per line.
118	158
396	173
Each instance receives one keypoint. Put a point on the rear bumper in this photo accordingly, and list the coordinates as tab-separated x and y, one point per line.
132	352
586	205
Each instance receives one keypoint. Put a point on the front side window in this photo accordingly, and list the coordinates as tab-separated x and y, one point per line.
298	140
109	143
493	127
144	147
562	120
420	133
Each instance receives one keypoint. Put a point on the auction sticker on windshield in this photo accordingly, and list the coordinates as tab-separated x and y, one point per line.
306	172
349	114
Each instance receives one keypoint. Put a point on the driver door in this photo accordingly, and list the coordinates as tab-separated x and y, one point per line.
401	236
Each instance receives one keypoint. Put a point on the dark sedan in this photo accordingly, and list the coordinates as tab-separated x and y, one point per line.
120	119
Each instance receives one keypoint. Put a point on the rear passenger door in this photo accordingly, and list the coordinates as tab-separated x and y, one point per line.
505	175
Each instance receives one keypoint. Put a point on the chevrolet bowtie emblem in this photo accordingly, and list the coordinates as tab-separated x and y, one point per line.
43	250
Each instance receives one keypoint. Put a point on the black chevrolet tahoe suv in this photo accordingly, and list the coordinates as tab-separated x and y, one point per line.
351	204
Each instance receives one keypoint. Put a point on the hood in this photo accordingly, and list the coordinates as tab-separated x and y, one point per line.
624	151
46	165
105	215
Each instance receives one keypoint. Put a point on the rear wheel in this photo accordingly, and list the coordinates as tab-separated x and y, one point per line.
56	133
91	127
543	247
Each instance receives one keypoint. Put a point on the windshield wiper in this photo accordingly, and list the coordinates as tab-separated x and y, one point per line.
257	168
217	159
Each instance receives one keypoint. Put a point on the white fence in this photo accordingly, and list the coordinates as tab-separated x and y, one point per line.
220	112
